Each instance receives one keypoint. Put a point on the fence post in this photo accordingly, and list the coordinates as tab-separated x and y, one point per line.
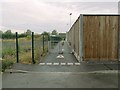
43	42
48	44
17	48
33	61
119	38
81	44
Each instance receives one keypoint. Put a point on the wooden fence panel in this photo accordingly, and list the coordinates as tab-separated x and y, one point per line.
76	34
100	38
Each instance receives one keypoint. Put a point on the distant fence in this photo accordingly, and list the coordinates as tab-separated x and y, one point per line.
36	47
95	38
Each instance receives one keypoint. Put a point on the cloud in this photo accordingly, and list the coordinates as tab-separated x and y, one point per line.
42	16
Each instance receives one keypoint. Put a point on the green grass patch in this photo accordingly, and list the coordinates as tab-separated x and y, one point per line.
6	64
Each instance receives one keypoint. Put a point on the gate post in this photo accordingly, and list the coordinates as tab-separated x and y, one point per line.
17	48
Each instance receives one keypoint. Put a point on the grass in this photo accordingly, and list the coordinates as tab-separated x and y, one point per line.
25	51
6	64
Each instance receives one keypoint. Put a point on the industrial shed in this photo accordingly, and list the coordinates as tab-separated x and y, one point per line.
95	37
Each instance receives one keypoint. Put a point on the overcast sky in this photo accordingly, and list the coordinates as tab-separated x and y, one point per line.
39	16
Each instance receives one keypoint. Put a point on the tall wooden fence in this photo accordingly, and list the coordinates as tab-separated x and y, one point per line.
95	38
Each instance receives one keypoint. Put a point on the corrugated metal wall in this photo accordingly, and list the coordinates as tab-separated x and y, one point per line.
100	38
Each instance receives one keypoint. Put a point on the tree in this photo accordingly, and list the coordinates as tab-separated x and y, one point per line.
8	32
1	34
22	35
54	32
8	35
28	32
46	35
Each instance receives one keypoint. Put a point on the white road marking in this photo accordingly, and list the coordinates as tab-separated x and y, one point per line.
63	63
60	57
77	63
55	63
69	63
48	63
41	63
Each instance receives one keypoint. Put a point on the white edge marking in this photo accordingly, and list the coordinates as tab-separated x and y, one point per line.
77	63
55	63
48	63
69	63
63	63
41	63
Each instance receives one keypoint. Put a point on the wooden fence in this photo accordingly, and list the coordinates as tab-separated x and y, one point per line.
95	38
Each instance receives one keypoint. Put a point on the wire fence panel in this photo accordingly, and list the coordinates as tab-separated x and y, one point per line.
9	50
38	47
25	50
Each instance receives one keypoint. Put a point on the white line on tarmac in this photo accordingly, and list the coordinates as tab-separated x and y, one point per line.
55	63
63	63
48	63
69	63
77	63
41	63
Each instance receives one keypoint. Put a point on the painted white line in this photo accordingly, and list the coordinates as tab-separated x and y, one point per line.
77	63
48	63
55	63
69	63
60	57
63	63
41	63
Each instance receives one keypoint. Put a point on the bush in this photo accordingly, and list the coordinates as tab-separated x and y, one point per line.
6	64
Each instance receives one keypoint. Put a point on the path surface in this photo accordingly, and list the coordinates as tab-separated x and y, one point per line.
68	57
61	76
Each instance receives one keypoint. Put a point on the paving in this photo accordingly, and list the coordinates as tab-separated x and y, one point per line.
68	57
59	80
61	73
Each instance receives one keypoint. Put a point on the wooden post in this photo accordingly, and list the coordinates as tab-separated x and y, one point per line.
17	48
33	61
119	38
81	51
